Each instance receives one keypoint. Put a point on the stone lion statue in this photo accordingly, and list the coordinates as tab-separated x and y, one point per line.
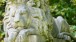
22	20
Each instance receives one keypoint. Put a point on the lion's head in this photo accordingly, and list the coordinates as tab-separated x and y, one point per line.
21	17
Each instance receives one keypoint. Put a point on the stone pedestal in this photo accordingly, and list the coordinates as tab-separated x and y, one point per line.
5	40
35	38
32	38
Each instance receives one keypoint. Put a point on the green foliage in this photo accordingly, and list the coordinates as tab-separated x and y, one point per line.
73	30
74	2
65	8
2	9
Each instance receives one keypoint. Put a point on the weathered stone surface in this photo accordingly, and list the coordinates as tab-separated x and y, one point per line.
60	28
30	21
35	38
22	19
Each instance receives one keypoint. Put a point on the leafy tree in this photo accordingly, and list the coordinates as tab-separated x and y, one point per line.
65	8
2	9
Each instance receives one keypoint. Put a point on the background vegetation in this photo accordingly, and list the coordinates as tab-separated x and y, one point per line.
65	8
2	9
